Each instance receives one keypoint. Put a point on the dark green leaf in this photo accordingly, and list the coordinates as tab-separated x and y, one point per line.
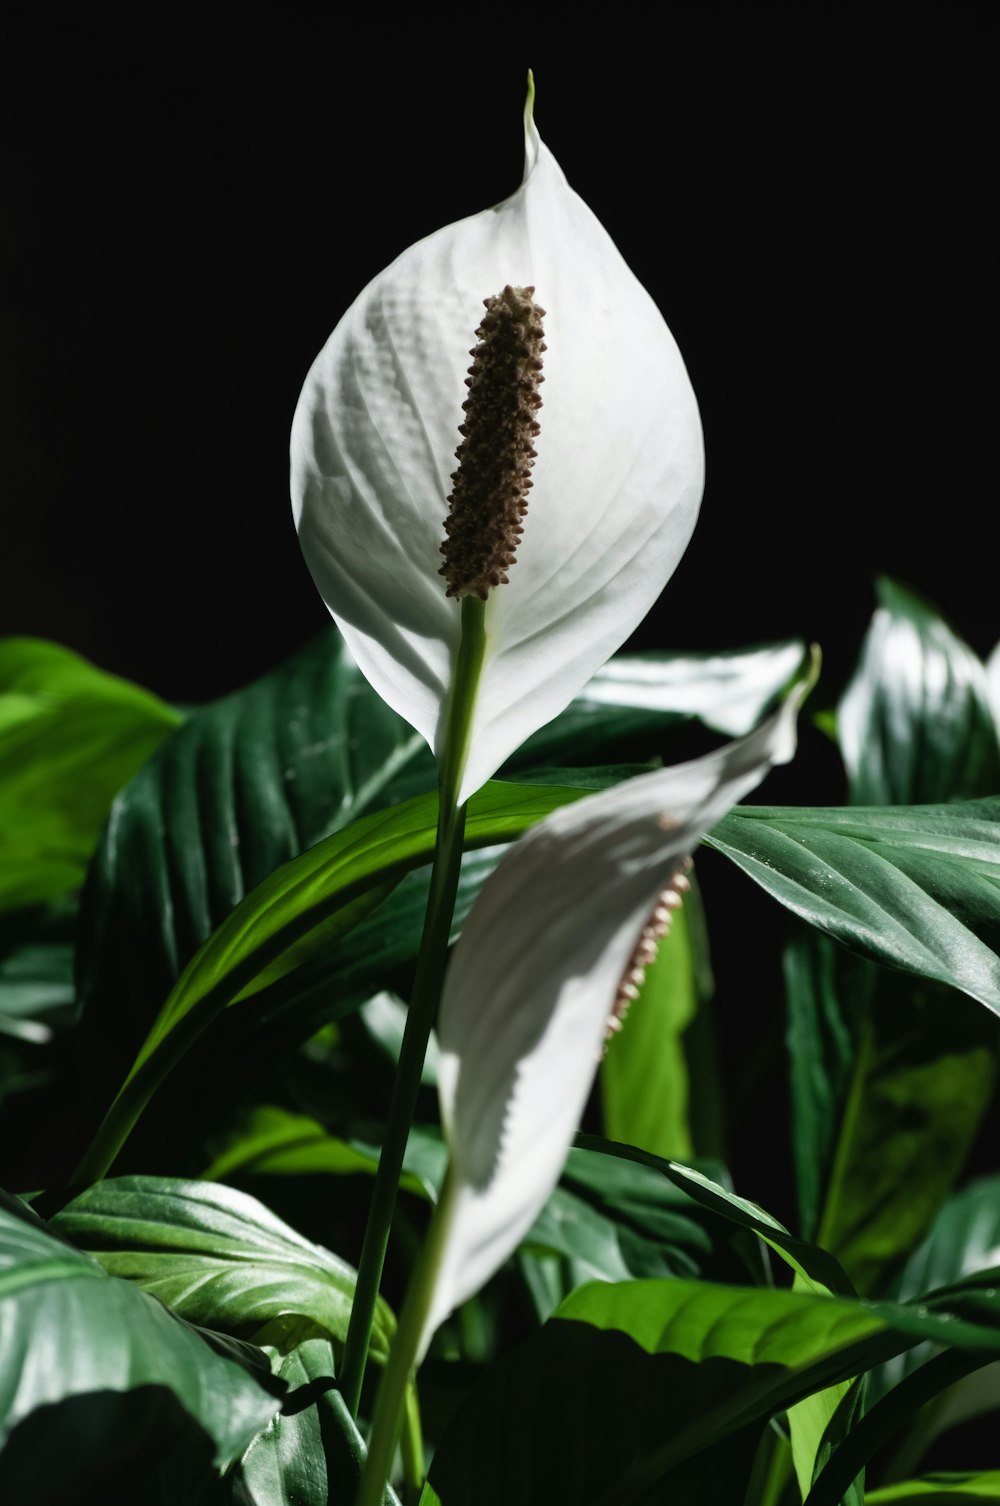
915	724
70	737
924	1076
614	1219
96	1376
816	1268
963	1239
822	1009
216	1256
312	1453
915	888
692	1363
269	1140
36	971
860	1442
297	912
245	785
630	703
890	1077
256	778
939	1490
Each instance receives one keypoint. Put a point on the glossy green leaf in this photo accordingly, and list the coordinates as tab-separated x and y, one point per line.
244	786
98	1380
963	1240
814	1271
891	1076
821	1014
915	724
612	1220
240	1050
300	909
70	737
816	1425
858	1444
272	1141
254	779
924	1076
693	1363
815	1268
216	1256
635	695
915	888
951	1489
311	1454
36	971
36	1029
667	1045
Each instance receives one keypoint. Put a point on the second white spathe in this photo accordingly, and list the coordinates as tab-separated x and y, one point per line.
531	984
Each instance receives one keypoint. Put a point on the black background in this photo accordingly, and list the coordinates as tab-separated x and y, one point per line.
190	205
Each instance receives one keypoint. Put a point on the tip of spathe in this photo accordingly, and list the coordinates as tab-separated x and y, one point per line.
532	144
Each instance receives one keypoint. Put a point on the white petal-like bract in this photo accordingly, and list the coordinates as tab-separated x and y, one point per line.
532	980
616	485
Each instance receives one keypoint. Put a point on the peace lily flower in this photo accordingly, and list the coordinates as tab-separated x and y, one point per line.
555	942
557	938
614	488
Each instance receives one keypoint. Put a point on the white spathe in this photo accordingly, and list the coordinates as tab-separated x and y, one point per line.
616	486
532	980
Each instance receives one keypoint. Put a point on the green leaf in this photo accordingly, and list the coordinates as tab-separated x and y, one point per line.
244	786
915	888
822	1007
98	1380
815	1268
298	910
915	724
36	1038
939	1490
216	1256
648	1067
311	1454
272	1141
614	1219
256	778
859	1443
964	1239
239	1052
814	1271
924	1076
692	1363
70	737
36	972
635	696
890	1076
816	1425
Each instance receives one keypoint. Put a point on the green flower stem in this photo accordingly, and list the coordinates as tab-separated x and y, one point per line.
411	1447
423	999
395	1382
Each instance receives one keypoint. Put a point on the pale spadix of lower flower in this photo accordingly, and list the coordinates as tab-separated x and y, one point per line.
531	984
616	485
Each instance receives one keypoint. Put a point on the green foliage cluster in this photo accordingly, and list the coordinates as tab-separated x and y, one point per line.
208	929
